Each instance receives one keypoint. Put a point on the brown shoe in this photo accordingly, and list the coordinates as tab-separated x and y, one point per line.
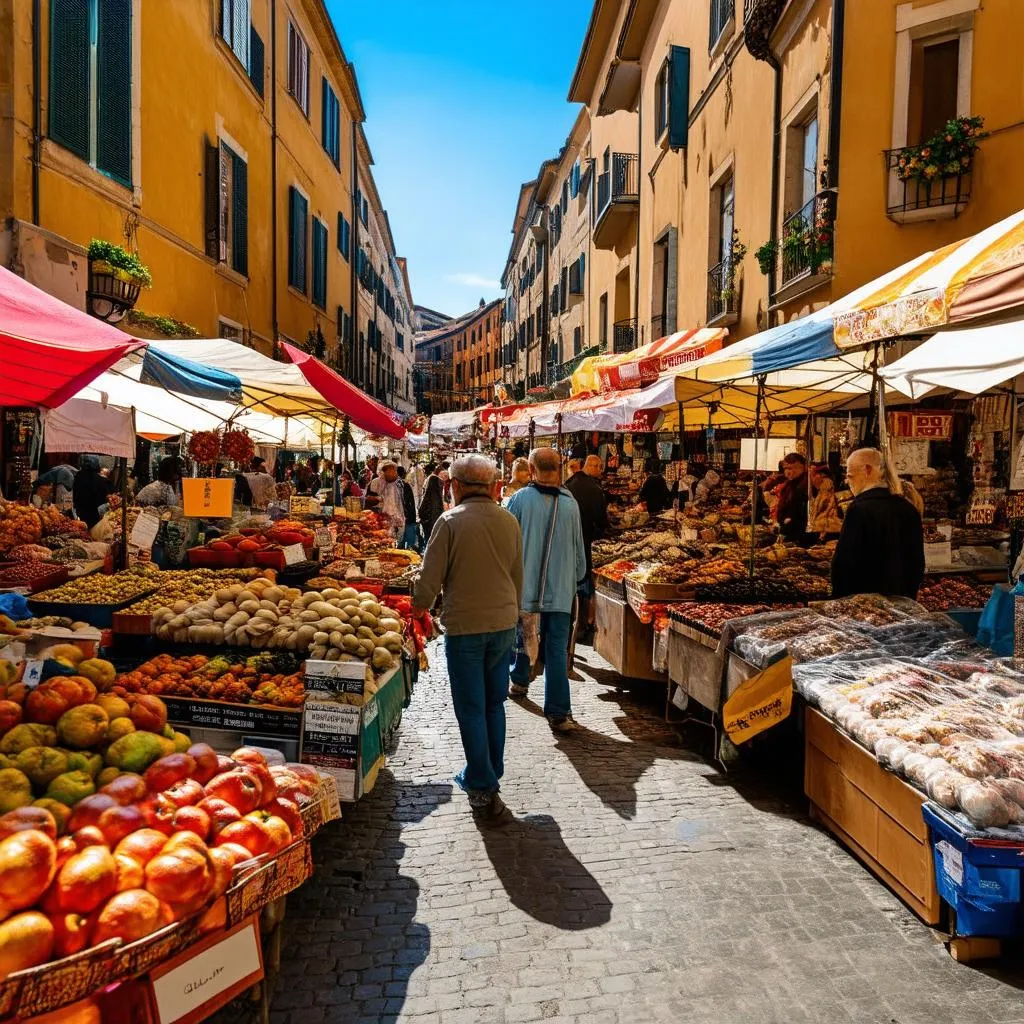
494	814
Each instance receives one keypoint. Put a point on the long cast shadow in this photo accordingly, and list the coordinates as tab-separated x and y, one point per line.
543	878
360	910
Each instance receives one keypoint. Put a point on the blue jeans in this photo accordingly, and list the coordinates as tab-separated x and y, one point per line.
478	673
554	643
410	537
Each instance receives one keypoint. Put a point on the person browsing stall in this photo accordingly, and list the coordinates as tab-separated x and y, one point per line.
881	547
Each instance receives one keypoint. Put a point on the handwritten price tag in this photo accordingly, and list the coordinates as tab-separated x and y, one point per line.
293	554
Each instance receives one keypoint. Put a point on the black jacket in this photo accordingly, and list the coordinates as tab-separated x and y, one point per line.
655	494
792	509
409	502
431	504
881	547
593	505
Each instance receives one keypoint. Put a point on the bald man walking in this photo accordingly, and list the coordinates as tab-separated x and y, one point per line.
554	565
475	561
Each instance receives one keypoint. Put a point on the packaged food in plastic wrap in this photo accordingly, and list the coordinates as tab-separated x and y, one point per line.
762	639
871	609
827	642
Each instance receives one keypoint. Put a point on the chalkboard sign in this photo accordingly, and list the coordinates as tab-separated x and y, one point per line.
211	714
330	740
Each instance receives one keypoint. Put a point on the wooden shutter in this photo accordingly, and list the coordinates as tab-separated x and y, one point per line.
211	201
114	89
325	112
256	57
564	290
69	75
319	263
239	215
240	31
679	97
297	207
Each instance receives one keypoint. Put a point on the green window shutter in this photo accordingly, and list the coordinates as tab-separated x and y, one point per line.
114	89
211	201
256	56
297	207
319	263
69	75
240	215
325	92
679	97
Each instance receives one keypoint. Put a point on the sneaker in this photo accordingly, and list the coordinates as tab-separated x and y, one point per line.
494	814
516	691
564	724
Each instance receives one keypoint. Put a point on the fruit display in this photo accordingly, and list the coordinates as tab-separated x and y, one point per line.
616	571
333	624
871	609
31	574
24	524
941	593
30	553
638	546
762	589
268	679
99	589
711	617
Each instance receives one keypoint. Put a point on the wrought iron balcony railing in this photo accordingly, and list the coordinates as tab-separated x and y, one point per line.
722	300
918	186
624	336
619	184
808	238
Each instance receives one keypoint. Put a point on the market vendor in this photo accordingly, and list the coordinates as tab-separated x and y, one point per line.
261	483
824	514
586	488
164	489
655	494
791	511
90	490
387	488
881	547
55	485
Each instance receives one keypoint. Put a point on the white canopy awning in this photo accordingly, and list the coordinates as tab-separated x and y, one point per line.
970	359
451	424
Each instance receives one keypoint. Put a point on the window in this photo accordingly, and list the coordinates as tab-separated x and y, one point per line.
344	236
298	207
227	207
234	28
330	115
602	320
724	200
577	340
576	275
565	196
934	84
563	291
91	83
554	301
364	213
574	180
672	99
809	169
298	68
232	331
721	15
256	60
319	263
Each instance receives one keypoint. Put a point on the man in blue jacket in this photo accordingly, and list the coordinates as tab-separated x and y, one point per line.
554	564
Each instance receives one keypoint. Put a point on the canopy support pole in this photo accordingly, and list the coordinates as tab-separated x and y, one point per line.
123	558
532	432
753	476
682	433
561	465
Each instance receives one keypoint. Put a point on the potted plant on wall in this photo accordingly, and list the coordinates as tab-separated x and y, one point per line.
116	277
765	255
737	250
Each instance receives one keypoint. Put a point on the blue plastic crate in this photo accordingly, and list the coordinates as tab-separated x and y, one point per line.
979	878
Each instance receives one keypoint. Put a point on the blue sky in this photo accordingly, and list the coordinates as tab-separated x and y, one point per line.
463	101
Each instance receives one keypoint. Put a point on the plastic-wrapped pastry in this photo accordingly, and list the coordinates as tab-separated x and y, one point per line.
915	767
983	804
1011	789
942	786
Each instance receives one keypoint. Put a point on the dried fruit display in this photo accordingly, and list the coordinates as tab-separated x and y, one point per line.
99	589
204	447
940	594
238	446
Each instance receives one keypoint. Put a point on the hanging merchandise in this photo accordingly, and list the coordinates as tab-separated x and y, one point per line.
933	426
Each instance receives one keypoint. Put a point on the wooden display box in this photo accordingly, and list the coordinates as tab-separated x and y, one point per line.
871	811
623	640
695	666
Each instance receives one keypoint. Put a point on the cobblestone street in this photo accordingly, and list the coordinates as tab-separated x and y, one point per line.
640	884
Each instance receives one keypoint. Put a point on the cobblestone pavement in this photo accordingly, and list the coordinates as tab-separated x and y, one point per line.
640	884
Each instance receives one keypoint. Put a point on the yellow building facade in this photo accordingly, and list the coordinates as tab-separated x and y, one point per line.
217	145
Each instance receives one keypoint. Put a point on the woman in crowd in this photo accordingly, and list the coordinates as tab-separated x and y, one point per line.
432	502
520	477
164	489
824	515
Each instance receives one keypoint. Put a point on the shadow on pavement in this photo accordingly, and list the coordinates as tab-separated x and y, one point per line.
543	878
361	912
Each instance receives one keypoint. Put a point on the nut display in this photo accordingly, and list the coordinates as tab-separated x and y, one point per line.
99	589
946	592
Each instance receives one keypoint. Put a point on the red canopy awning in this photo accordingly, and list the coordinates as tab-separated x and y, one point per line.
49	350
360	408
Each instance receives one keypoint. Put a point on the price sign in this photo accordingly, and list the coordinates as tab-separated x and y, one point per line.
144	532
207	497
759	703
33	674
324	539
293	554
191	988
371	568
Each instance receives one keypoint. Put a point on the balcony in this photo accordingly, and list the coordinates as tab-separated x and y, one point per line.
618	200
914	196
806	248
723	302
624	336
759	20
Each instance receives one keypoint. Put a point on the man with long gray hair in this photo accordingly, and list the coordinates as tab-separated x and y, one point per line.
475	561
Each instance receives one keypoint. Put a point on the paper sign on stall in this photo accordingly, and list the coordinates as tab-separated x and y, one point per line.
207	497
293	554
762	701
144	532
303	505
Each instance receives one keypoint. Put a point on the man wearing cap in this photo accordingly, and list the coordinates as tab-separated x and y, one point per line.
475	561
391	494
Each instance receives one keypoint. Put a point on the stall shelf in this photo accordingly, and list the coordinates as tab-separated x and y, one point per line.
623	640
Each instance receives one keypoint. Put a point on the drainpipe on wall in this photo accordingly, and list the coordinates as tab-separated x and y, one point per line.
37	102
273	171
835	105
776	151
639	218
